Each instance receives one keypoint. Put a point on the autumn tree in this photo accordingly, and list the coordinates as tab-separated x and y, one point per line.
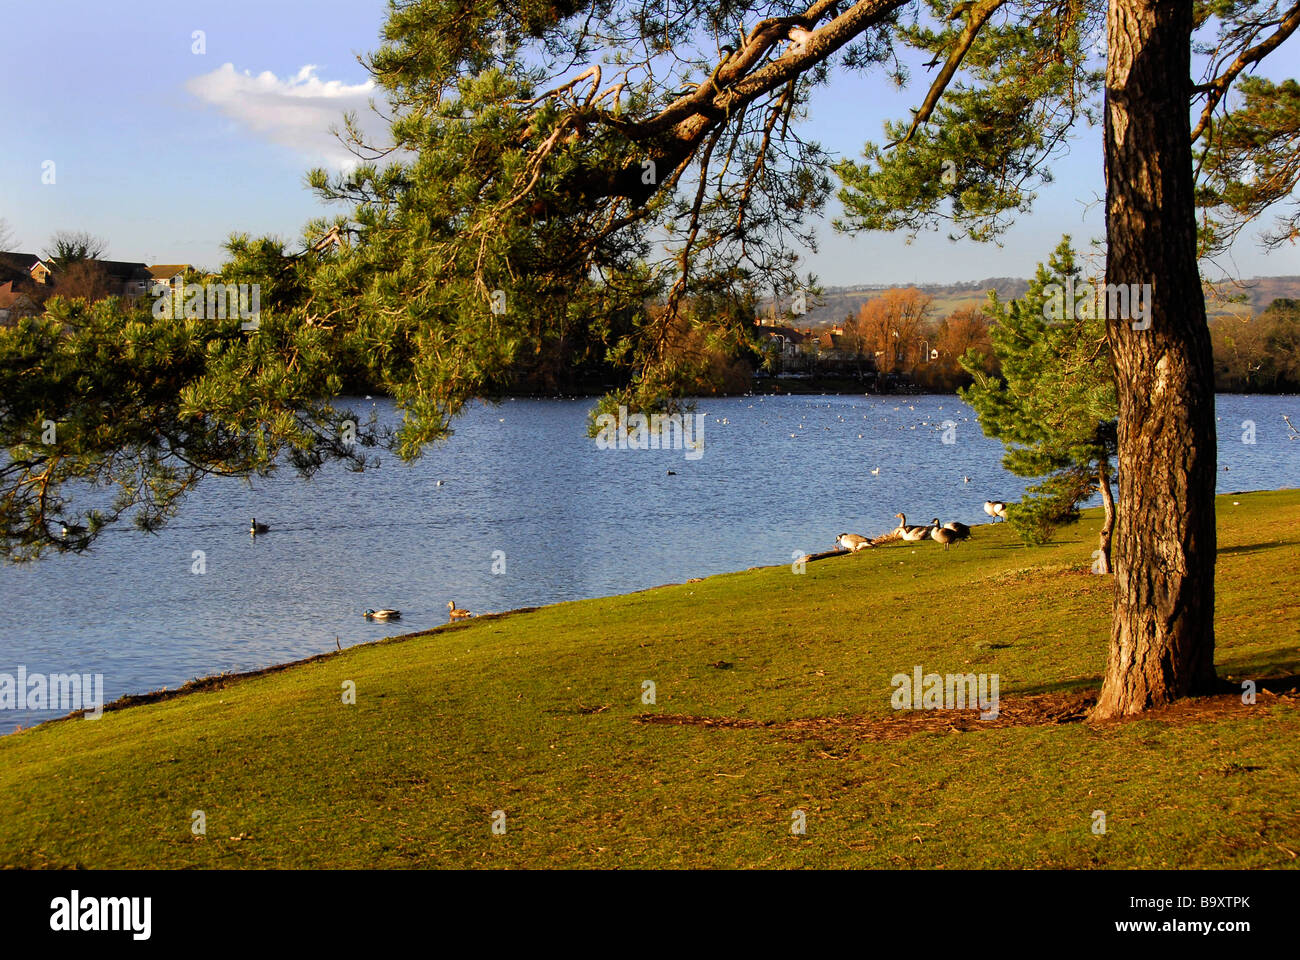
891	326
1259	353
965	330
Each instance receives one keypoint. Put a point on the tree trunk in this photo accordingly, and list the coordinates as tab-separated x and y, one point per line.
1162	633
1108	524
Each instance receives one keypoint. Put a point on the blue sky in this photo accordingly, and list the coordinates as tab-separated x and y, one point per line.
165	151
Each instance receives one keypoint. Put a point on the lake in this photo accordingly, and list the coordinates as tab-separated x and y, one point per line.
776	475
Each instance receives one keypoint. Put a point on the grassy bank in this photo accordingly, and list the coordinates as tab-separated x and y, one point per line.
773	695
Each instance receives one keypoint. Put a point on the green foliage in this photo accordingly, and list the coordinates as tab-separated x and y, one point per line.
1249	161
977	159
519	183
107	394
1054	405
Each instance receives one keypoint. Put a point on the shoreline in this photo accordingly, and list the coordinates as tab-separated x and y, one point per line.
219	681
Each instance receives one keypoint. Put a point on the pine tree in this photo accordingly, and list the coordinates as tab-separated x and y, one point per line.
1054	405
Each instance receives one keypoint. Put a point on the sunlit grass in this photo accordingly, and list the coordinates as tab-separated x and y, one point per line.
534	714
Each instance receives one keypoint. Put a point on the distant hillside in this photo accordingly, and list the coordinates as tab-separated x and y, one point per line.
839	302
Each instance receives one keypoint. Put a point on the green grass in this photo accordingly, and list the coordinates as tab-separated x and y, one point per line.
535	714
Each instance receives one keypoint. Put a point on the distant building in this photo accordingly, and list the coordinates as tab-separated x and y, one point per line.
131	279
24	268
166	276
25	281
36	278
792	341
15	303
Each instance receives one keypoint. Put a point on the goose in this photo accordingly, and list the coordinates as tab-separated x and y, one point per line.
910	533
383	614
995	509
255	528
962	531
852	542
945	536
72	529
456	613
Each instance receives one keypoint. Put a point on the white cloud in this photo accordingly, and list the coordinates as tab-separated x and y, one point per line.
297	112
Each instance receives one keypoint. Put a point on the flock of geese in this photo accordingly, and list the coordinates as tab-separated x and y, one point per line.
454	612
945	533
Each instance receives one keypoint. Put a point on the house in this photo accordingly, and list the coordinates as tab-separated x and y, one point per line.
166	276
791	341
25	268
25	282
131	279
15	303
35	275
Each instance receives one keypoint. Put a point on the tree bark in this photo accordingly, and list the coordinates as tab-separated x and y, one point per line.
1107	524
1162	633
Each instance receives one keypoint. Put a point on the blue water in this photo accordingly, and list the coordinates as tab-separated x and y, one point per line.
777	475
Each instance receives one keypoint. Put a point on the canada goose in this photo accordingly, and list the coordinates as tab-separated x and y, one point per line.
944	536
852	542
995	509
255	528
910	533
455	613
383	614
962	531
948	535
72	529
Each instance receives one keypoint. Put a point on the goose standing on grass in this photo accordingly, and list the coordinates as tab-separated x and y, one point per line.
946	535
910	533
383	614
962	531
456	613
255	528
852	542
995	509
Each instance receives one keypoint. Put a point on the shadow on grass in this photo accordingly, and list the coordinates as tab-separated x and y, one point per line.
1257	547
